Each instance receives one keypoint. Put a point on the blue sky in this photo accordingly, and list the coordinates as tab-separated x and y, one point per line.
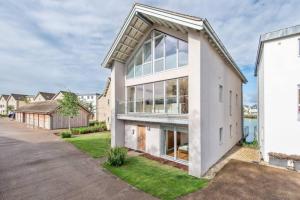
52	45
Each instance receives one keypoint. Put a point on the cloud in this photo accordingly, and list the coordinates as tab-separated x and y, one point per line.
51	45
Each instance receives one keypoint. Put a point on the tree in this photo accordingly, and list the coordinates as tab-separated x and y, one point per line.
10	108
69	106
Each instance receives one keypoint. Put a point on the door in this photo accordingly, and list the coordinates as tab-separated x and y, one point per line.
141	138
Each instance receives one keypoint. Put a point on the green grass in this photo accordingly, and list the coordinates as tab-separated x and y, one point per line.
96	145
253	144
162	181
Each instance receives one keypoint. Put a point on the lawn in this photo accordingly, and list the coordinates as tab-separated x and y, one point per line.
95	144
162	181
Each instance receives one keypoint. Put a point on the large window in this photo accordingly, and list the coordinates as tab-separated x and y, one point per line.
159	97
171	52
182	53
139	103
175	143
130	98
147	67
148	95
159	53
183	95
168	53
170	96
138	62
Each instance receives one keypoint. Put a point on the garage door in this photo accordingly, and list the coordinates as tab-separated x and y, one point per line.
42	121
36	120
47	121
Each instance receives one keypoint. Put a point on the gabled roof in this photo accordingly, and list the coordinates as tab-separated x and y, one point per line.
105	90
142	17
45	95
4	96
281	33
44	107
18	97
60	92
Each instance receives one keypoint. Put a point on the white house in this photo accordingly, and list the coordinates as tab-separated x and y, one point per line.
278	76
43	96
103	105
90	99
3	104
176	93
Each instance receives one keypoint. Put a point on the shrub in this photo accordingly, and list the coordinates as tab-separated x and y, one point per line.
89	129
94	123
116	156
66	134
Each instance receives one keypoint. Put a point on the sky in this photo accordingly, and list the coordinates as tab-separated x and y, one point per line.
52	45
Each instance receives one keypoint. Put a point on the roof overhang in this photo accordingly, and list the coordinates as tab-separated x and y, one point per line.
140	20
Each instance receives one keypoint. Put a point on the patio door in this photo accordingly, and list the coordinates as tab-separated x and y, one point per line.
141	140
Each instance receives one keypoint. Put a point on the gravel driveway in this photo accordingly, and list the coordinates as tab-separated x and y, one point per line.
35	164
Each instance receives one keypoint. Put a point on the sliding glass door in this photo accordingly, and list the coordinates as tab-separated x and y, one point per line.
175	143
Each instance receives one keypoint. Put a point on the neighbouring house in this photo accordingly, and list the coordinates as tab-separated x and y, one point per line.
103	105
17	100
43	96
176	92
278	77
90	101
30	98
59	95
45	114
3	104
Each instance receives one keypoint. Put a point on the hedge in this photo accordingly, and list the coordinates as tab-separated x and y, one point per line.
89	129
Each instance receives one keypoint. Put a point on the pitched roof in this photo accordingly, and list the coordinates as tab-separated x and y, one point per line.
281	33
63	92
46	95
44	107
142	17
20	97
5	96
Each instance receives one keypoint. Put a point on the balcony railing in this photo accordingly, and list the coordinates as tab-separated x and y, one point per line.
158	106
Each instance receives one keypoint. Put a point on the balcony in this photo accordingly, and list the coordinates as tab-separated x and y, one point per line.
159	111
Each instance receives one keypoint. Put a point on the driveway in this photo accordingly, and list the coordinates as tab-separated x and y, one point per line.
35	164
242	180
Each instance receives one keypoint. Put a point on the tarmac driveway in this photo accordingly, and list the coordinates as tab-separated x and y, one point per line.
35	164
243	180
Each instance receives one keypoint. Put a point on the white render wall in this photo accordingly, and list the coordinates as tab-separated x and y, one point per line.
153	137
215	114
205	71
117	94
279	77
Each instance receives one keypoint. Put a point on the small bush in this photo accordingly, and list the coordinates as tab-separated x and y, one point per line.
116	156
66	134
94	123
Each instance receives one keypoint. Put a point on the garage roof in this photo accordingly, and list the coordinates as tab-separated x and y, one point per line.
44	107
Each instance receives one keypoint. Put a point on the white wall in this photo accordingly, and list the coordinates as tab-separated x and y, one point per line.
281	76
153	137
215	114
117	94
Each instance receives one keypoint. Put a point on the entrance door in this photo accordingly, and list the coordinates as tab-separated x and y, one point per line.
141	138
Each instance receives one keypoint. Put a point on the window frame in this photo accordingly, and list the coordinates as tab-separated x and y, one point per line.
152	39
221	137
230	102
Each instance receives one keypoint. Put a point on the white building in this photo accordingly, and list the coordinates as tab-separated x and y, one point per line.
278	76
90	99
176	93
3	104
